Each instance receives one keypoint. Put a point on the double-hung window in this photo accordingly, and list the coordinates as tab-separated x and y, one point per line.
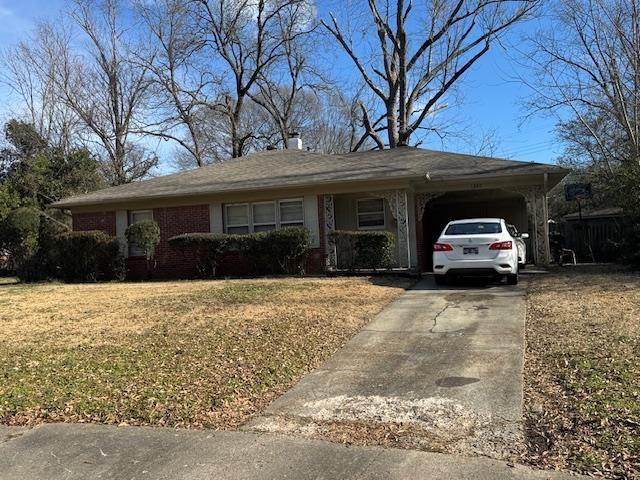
136	216
291	213
370	213
263	216
237	218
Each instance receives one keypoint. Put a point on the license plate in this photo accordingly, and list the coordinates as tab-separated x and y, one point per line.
470	250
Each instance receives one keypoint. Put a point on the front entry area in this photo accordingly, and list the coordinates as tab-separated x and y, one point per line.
493	203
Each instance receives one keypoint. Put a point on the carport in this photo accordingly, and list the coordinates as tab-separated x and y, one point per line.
472	204
524	206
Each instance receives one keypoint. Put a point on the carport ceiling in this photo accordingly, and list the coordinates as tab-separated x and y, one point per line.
466	196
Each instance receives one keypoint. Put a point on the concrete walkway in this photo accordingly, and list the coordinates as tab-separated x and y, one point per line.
81	452
446	361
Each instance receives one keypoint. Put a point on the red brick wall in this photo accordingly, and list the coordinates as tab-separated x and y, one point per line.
104	221
168	262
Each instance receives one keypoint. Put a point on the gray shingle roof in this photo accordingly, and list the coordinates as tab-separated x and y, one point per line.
295	168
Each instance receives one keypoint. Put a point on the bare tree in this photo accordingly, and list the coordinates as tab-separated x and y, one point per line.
29	73
336	127
182	80
106	88
246	37
289	88
588	70
418	53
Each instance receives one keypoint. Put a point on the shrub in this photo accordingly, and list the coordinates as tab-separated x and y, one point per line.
19	238
20	232
144	235
277	251
89	257
363	249
252	249
43	265
288	248
208	248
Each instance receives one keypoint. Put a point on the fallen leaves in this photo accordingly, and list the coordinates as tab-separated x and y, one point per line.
582	374
182	354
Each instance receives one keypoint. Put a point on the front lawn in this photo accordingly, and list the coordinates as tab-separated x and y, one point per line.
187	354
582	372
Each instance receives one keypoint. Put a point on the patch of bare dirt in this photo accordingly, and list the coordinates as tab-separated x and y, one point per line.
430	424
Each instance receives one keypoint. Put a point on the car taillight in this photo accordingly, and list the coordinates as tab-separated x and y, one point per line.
501	245
442	247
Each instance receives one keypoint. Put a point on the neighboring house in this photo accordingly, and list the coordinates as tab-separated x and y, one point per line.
408	191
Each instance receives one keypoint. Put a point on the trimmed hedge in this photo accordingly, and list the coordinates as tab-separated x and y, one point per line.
363	249
287	248
89	257
208	248
276	251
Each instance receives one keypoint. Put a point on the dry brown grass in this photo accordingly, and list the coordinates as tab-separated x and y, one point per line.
582	372
191	354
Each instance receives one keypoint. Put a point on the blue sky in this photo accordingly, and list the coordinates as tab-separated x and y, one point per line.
492	99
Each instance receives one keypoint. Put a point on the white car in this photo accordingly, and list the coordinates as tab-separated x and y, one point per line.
476	247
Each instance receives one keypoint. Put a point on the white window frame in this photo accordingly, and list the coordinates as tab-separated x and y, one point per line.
226	216
280	222
384	214
133	250
276	215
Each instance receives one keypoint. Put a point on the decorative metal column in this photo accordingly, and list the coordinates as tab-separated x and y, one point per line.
536	200
397	200
329	225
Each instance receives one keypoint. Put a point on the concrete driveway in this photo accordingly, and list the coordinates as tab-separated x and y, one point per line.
445	362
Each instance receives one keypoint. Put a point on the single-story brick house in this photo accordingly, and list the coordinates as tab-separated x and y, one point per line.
408	191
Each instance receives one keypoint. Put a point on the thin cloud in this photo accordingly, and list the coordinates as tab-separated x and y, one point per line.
5	11
11	24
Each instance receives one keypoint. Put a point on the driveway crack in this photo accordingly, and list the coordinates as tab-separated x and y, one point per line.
435	318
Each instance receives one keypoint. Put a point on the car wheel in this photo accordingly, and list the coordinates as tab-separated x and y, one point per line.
522	266
440	279
512	279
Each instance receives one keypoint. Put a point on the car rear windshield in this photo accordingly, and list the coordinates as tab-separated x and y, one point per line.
473	228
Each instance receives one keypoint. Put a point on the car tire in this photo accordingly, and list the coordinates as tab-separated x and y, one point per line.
440	279
512	279
522	266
